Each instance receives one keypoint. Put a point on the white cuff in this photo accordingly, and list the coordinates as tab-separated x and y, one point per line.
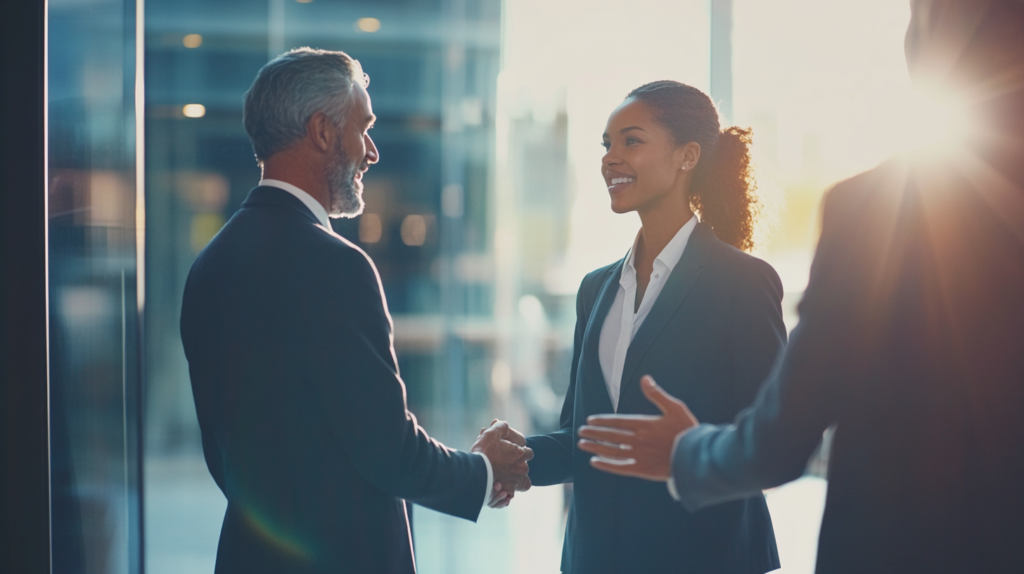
671	482
490	480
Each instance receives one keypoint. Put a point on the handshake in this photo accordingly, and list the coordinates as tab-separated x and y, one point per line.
506	449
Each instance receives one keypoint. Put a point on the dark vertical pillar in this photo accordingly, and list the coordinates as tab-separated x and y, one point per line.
24	459
721	58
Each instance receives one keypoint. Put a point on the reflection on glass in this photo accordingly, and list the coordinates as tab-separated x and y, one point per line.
94	316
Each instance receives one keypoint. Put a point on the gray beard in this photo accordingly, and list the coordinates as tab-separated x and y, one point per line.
346	198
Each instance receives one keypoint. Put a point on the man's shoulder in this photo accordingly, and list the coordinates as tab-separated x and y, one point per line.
255	239
339	256
885	181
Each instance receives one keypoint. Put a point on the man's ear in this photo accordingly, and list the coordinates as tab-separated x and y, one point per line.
320	131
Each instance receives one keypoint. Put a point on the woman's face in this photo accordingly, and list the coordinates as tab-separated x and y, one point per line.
643	165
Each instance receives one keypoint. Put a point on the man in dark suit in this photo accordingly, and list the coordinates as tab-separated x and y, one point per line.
303	415
911	341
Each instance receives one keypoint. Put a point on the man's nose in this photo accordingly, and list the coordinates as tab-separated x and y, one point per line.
372	155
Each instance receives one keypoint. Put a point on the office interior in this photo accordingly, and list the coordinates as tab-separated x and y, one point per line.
124	154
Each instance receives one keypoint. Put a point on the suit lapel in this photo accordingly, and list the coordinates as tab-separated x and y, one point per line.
682	279
592	336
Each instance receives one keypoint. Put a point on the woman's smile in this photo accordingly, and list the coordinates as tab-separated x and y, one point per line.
618	181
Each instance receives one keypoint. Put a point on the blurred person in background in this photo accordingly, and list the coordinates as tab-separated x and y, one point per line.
685	303
911	340
303	414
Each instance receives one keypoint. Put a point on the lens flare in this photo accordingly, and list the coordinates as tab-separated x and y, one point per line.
934	123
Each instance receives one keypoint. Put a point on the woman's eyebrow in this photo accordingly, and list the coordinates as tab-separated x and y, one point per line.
624	130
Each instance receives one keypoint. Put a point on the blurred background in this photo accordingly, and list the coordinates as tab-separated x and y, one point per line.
485	212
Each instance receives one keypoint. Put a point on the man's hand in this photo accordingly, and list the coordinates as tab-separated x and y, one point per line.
508	453
502	496
510	434
638	445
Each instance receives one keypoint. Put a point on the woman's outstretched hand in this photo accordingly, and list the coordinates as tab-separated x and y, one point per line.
638	445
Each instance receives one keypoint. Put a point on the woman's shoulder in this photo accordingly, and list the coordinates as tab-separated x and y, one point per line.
596	278
741	268
591	285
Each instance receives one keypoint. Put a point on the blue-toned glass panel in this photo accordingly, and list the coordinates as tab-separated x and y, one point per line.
94	308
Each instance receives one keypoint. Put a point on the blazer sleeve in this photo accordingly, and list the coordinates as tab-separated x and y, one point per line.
770	442
553	452
356	380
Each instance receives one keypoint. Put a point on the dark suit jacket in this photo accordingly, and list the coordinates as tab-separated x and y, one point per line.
303	414
709	339
911	340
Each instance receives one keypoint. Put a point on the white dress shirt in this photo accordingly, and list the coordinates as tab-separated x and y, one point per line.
321	214
307	199
621	324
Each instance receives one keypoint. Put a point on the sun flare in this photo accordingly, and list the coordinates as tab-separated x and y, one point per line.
934	123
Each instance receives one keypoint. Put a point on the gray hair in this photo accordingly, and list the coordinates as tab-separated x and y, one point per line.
292	87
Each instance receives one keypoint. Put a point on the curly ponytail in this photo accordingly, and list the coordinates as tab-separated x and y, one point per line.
723	191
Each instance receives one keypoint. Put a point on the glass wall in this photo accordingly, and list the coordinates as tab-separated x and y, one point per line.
95	308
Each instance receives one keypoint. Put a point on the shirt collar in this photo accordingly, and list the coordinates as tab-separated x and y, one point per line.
306	199
668	257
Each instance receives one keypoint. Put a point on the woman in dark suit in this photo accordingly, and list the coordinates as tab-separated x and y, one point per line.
685	305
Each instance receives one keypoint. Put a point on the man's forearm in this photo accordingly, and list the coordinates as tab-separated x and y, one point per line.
698	476
712	464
